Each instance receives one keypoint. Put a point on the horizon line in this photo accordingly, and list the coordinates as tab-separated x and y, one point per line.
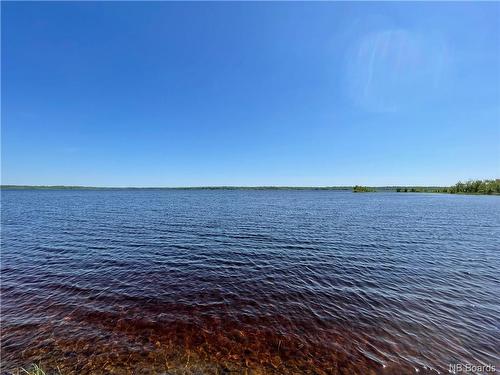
339	187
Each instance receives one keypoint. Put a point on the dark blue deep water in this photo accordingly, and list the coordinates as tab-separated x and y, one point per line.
242	281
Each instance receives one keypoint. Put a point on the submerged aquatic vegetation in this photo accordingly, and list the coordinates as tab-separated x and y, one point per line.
35	369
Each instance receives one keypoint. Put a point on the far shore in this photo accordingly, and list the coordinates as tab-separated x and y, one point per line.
472	187
341	188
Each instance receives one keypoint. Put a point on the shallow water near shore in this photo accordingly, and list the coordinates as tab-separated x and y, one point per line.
243	281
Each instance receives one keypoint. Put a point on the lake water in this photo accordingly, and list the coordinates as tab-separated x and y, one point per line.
216	281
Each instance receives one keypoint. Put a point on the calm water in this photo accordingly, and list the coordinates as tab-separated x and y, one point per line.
181	281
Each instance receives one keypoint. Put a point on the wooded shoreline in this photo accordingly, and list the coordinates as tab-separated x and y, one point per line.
479	187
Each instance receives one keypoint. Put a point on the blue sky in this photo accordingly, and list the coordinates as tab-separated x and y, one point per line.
171	94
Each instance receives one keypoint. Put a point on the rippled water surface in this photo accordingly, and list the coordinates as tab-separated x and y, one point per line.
200	281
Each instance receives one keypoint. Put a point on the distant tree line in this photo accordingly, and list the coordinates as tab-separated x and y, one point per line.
476	187
362	189
412	190
488	187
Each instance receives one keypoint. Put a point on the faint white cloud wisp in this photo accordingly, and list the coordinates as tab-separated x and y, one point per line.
390	69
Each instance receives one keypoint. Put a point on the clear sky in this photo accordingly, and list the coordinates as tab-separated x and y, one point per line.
286	93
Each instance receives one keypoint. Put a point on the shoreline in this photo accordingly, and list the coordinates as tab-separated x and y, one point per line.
369	189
